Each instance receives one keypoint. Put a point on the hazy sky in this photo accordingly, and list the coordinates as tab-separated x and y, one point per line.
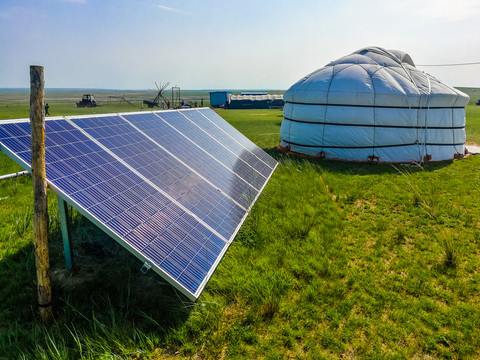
213	44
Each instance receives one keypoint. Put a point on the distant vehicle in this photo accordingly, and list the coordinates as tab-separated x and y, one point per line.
87	101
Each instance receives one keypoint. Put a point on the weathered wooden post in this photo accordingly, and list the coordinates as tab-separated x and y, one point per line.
40	213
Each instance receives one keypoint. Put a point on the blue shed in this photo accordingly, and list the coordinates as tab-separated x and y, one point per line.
219	98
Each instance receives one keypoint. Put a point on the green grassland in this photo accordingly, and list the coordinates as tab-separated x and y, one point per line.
335	261
15	103
474	94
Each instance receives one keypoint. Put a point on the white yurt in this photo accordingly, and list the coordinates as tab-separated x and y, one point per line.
374	105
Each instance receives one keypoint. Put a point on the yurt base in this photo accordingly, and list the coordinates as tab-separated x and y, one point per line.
472	150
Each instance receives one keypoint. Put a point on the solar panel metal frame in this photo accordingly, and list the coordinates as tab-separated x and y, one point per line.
62	195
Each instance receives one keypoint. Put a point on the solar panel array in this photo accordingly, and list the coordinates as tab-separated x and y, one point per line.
172	186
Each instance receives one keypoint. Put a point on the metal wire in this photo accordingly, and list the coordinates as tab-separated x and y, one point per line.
459	64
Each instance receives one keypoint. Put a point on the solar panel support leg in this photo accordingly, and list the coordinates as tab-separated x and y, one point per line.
62	210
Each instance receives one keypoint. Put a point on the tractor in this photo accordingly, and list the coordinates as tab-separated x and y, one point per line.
87	101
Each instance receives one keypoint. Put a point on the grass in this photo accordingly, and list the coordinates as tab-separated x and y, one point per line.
23	110
335	261
473	125
15	104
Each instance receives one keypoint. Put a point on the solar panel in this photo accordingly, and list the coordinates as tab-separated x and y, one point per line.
173	187
244	141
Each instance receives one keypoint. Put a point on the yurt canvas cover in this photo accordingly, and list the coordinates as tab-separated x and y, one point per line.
374	105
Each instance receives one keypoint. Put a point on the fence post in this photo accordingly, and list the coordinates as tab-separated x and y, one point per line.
40	213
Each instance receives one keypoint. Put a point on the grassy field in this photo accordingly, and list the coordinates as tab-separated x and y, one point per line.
15	103
335	261
474	94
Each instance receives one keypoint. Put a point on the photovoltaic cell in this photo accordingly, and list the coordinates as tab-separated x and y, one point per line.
206	165
166	185
169	175
214	132
215	149
244	141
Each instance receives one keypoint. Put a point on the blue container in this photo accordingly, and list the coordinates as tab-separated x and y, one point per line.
219	98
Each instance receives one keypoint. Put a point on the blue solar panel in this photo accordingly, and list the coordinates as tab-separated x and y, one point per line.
166	185
222	176
212	131
215	149
244	141
158	166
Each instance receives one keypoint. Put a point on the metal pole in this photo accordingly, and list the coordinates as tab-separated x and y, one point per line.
40	211
12	175
67	250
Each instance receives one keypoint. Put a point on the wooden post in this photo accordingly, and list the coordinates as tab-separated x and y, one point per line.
40	213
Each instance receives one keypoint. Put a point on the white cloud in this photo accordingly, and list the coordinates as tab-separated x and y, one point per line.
166	8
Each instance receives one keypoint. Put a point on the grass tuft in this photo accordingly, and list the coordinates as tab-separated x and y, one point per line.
451	253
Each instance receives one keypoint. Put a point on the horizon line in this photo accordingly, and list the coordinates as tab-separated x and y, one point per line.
112	89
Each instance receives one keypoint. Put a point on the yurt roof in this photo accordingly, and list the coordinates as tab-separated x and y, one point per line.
374	76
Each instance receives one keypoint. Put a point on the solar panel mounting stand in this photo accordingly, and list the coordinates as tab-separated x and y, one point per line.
63	212
146	266
12	175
